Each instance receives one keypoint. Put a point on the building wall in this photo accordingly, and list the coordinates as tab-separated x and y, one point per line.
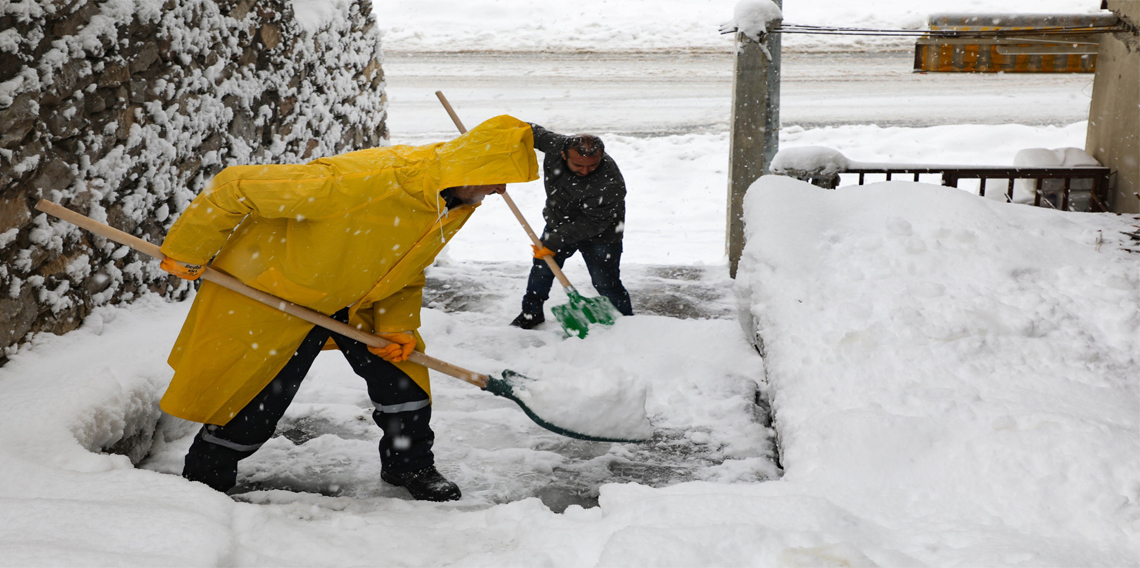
1114	117
124	109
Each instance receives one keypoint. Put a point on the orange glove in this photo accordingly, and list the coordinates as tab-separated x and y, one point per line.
540	252
403	343
181	269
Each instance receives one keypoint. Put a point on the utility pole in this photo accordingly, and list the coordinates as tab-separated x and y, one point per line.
755	127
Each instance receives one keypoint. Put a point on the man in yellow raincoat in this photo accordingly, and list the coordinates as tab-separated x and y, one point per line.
348	236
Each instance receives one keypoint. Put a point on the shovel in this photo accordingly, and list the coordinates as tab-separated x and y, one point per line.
577	315
505	387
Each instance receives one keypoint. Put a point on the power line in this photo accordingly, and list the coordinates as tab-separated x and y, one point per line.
1035	32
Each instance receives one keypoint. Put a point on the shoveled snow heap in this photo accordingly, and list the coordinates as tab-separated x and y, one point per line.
610	405
941	363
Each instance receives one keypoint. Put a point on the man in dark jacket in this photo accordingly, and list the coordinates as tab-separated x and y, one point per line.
585	212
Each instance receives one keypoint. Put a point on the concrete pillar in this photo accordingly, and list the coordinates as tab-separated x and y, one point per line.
755	128
1114	115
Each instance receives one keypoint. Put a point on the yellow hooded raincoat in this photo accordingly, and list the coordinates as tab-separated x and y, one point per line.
353	230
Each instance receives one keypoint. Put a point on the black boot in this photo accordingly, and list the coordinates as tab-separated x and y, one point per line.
426	484
212	464
528	321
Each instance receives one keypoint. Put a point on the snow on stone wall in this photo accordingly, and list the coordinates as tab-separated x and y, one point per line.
124	109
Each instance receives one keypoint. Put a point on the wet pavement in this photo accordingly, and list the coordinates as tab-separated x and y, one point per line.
559	471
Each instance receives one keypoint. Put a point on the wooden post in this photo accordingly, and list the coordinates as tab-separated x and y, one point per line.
755	128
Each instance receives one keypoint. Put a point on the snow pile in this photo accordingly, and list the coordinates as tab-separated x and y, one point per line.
1024	189
942	362
1058	158
814	159
752	18
606	406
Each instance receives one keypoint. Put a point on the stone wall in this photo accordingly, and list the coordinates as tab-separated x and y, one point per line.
124	109
1114	114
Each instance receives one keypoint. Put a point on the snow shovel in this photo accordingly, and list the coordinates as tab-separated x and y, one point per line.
505	387
577	315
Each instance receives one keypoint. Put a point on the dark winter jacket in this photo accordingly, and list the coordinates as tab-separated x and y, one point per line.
579	209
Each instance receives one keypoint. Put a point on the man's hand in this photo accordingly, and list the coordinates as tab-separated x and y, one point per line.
181	269
403	343
541	252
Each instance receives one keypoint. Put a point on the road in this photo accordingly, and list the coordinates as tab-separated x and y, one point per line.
655	94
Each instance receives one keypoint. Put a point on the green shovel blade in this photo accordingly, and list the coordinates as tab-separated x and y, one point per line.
577	314
505	387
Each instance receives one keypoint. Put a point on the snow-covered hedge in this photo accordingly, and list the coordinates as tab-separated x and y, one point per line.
124	109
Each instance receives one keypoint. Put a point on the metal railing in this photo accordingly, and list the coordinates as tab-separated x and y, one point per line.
1083	188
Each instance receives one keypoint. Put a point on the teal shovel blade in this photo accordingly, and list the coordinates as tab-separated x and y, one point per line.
505	387
576	315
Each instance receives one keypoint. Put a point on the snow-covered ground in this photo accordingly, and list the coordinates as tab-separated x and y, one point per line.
956	381
611	25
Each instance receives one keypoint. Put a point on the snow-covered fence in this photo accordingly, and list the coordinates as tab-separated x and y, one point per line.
124	109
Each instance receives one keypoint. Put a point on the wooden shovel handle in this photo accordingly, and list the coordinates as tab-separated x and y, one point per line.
510	202
225	280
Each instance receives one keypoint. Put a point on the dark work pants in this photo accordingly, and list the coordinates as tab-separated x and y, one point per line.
603	260
402	410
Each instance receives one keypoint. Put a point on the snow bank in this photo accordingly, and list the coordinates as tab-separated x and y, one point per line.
939	360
